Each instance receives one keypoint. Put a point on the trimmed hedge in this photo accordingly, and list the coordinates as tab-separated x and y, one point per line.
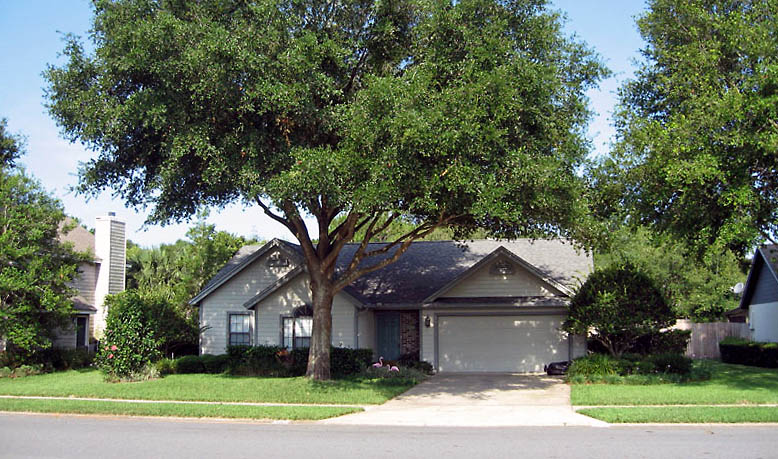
277	361
744	352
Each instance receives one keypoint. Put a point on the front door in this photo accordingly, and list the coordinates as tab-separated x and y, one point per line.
388	334
81	324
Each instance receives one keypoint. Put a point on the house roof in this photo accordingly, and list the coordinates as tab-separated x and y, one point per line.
80	304
766	257
429	266
82	240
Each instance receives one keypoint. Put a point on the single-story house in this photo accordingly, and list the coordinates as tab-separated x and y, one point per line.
104	274
480	306
760	295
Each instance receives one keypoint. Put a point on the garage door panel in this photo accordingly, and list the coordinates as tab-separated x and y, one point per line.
500	343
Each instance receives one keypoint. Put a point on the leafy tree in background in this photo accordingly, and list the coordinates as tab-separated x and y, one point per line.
168	276
698	126
468	115
616	306
698	289
35	268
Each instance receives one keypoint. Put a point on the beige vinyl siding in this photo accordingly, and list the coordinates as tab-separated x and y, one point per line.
293	295
86	281
427	338
483	283
366	333
230	297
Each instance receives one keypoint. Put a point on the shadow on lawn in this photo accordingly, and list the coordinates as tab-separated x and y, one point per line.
740	377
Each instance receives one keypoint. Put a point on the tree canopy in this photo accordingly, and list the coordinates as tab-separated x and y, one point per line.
697	288
464	114
698	126
35	268
616	306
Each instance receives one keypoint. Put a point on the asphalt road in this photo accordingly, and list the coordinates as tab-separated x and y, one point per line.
46	436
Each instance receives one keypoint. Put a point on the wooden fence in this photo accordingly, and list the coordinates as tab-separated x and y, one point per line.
704	343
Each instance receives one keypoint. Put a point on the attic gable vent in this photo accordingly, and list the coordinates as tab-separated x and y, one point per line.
276	260
502	268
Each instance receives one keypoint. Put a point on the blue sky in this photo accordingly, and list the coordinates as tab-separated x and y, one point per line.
31	37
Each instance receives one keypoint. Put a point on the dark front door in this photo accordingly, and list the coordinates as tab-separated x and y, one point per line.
81	323
388	334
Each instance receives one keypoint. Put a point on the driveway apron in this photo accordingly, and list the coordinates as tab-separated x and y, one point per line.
477	400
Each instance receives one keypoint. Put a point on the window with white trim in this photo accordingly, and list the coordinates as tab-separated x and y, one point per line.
240	330
297	332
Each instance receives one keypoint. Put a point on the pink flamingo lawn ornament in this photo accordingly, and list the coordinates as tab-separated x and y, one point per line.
394	368
380	362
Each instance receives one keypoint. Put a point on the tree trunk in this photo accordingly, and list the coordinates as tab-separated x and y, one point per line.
321	336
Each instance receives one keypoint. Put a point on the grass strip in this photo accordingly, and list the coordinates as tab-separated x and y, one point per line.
729	384
684	414
205	387
294	413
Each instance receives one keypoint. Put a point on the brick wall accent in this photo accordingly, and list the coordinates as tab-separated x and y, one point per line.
409	333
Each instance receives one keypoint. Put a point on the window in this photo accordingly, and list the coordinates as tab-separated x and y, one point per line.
240	330
297	332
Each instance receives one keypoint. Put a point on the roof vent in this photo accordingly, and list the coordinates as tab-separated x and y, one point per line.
111	214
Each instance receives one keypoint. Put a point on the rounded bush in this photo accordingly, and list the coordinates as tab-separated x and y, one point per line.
189	364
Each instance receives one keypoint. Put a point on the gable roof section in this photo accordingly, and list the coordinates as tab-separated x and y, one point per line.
499	251
243	258
765	257
424	269
428	266
83	241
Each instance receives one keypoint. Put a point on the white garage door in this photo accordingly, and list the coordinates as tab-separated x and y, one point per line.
521	344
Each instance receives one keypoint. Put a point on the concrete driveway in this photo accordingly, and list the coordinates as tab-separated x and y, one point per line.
477	400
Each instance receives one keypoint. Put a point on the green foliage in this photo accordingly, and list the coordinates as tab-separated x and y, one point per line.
404	377
165	366
36	268
189	364
697	131
130	342
277	361
616	306
744	352
468	114
698	288
663	342
215	364
63	359
632	369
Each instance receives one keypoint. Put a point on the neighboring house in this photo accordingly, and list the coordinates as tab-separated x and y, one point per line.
102	276
480	306
760	296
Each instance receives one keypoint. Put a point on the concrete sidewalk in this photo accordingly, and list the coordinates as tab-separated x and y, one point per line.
477	400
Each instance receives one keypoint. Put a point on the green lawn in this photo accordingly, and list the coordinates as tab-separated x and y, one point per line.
729	384
202	387
174	409
685	414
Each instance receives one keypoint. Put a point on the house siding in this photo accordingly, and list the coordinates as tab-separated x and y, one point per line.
483	283
766	288
230	297
763	321
296	293
366	332
85	281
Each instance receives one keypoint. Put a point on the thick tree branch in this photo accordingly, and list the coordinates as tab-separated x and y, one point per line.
274	216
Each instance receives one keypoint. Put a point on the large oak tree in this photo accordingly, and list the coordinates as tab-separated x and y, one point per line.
463	114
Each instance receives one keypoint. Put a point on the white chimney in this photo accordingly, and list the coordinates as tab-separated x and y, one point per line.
110	250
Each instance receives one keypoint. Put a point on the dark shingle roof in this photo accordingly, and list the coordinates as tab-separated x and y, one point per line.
81	304
770	254
427	266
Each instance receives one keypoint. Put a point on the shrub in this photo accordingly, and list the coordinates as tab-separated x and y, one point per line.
621	304
385	377
166	366
189	364
671	363
63	359
594	365
277	361
215	363
744	352
26	370
129	345
5	372
345	362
